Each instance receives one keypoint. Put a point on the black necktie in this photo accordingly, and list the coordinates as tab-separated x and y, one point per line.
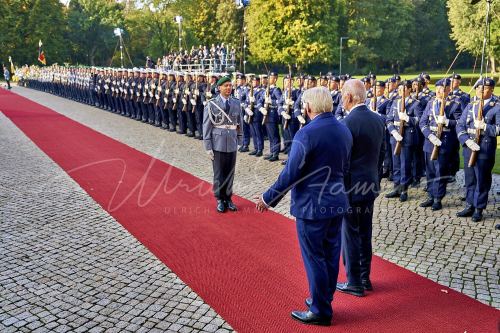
227	106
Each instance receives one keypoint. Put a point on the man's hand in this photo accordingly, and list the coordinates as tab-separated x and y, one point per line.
435	140
285	115
396	135
263	111
260	204
442	120
472	145
403	116
249	111
210	154
301	119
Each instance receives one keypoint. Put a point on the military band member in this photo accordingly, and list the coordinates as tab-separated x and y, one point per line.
478	178
222	133
438	170
402	162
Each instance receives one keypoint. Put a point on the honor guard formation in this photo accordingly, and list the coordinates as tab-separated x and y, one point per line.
424	129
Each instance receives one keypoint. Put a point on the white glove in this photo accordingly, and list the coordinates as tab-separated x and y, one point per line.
285	115
472	145
263	111
204	103
301	119
396	135
174	100
210	154
184	101
268	100
245	118
196	92
249	112
480	124
443	120
289	102
403	116
193	101
176	91
435	141
252	99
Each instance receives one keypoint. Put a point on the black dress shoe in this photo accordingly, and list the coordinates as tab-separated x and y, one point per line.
367	285
307	317
253	152
221	207
259	153
268	156
451	179
437	205
283	162
427	203
231	206
403	197
352	290
385	174
415	184
478	215
467	211
394	194
274	158
309	302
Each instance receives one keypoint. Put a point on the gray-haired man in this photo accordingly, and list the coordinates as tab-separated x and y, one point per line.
222	133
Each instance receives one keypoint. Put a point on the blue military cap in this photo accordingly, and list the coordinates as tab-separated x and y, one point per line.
487	82
372	76
397	77
443	83
406	83
419	80
273	74
311	78
263	76
287	76
335	78
425	76
365	79
456	77
392	79
324	77
380	84
241	76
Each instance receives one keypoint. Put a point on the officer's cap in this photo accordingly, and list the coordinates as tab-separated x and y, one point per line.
457	77
334	78
263	76
240	76
425	76
487	82
443	83
273	74
380	84
288	77
324	77
372	76
392	80
135	69
311	78
215	75
365	79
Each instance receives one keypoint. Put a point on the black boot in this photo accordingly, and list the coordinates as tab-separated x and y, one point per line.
478	215
274	158
427	203
467	211
259	153
437	204
404	196
394	194
253	152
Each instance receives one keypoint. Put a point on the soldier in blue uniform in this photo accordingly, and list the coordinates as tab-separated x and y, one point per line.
333	86
179	105
171	95
379	102
267	104
255	117
240	93
478	178
402	163
299	110
198	100
438	170
289	120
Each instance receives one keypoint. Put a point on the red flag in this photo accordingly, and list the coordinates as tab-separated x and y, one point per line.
41	54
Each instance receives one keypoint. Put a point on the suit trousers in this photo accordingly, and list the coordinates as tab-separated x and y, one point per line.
478	180
224	166
437	172
357	242
320	243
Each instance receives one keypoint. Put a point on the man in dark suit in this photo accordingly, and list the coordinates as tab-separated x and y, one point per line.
362	185
317	163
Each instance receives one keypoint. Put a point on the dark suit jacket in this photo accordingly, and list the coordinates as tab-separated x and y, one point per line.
368	132
317	163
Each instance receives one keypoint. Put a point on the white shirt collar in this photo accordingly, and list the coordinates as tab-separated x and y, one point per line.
355	107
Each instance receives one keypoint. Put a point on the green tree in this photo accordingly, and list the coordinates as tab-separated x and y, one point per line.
468	24
230	23
292	31
90	30
202	20
378	32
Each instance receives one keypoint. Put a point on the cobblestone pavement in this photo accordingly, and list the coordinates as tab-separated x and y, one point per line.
454	252
66	265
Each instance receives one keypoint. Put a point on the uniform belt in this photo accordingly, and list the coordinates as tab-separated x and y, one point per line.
471	130
434	128
232	127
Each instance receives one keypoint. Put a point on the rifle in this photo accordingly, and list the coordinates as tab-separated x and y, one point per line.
194	93
399	144
289	99
374	98
176	94
158	93
266	104
250	118
477	139
439	133
145	90
186	96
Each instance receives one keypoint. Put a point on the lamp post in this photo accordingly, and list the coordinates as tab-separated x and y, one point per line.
118	33
178	19
340	61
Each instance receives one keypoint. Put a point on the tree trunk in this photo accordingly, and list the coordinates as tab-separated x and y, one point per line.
493	65
92	55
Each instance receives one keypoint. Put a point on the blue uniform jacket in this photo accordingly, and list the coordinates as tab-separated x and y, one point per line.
275	95
428	124
491	115
413	109
317	164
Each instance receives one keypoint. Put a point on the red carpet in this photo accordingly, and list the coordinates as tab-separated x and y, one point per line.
247	266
